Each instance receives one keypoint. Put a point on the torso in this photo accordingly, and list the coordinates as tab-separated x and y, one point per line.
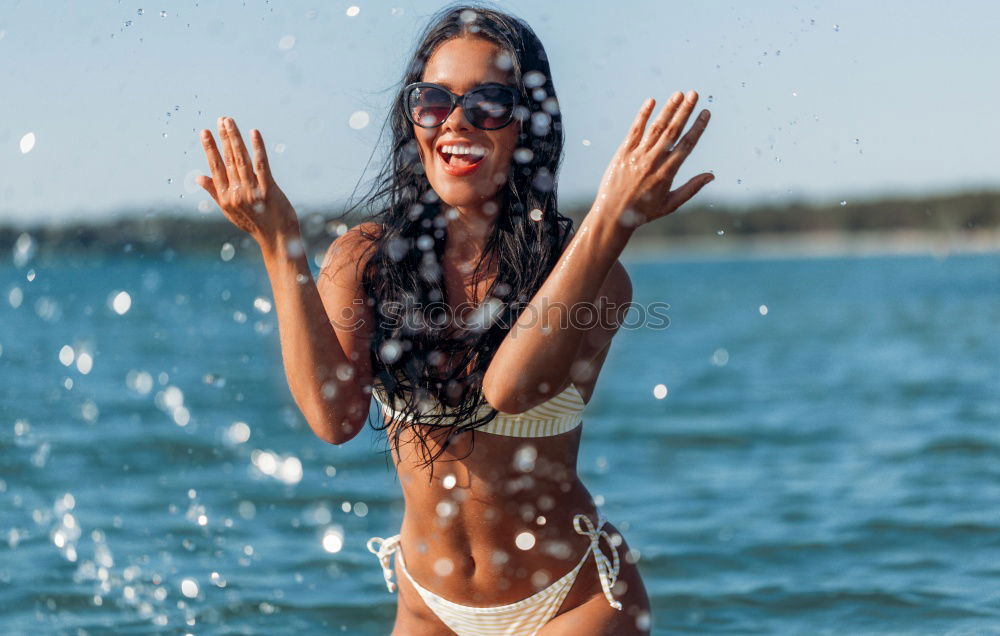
472	528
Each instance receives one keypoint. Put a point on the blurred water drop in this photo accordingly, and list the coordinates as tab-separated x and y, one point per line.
333	539
449	481
720	357
763	310
711	99
27	143
286	43
66	355
139	12
358	120
261	304
525	540
227	252
443	566
535	215
189	588
836	27
84	363
660	391
353	11
843	203
238	432
163	14
121	302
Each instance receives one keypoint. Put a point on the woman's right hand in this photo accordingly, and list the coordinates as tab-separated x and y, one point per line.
636	187
245	190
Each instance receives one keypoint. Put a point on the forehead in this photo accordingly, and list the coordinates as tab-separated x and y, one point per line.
462	63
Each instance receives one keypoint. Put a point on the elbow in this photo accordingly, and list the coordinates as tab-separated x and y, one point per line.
510	399
337	430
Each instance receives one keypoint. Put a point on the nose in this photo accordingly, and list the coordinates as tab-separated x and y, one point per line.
456	120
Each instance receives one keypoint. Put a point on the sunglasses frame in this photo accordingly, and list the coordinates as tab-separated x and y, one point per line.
458	100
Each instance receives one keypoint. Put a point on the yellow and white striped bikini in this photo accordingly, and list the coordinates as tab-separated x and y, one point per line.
560	414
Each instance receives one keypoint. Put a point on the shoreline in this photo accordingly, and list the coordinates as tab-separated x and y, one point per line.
814	245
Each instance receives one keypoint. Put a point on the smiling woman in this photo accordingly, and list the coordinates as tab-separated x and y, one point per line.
464	214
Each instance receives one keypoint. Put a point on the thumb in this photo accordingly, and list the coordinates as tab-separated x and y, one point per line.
208	185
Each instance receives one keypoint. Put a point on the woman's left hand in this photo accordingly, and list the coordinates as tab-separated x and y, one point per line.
636	187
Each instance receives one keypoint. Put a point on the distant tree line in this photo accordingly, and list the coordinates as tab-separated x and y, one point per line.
156	232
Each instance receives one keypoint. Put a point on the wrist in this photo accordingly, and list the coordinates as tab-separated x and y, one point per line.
611	225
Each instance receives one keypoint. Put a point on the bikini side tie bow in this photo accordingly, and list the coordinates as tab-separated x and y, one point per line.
607	570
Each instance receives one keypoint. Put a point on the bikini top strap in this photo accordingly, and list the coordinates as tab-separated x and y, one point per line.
384	551
607	569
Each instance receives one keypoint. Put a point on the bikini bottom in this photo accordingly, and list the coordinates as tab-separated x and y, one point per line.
526	616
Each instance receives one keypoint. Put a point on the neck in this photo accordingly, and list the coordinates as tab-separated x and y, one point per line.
468	229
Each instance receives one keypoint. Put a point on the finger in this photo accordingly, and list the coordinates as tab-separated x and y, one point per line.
687	143
209	186
683	194
677	124
662	120
261	165
229	159
215	164
243	165
634	135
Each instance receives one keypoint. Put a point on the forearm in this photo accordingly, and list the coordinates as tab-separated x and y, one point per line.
317	369
549	332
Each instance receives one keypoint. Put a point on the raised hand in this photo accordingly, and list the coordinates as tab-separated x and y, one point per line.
245	190
636	187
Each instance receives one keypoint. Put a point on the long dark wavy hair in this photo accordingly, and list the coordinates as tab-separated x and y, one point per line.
418	358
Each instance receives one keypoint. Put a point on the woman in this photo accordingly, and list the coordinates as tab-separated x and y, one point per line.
457	309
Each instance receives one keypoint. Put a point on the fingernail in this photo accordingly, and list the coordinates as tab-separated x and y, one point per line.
676	97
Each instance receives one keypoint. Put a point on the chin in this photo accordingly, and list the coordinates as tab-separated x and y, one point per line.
459	195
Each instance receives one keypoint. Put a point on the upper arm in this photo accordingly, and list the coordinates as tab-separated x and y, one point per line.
349	310
612	304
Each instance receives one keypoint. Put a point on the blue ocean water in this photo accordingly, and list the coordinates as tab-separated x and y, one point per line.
826	458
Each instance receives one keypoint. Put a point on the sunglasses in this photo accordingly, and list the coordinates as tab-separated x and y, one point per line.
487	107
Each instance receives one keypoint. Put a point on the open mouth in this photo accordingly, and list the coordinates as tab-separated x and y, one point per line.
461	159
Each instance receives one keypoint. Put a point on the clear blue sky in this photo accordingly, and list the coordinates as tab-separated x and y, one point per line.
822	101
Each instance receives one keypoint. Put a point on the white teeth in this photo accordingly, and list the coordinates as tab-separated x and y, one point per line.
463	149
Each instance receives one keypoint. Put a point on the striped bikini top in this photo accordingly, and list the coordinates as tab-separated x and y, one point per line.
559	414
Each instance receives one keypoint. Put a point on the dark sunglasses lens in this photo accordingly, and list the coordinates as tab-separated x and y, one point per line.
490	107
428	106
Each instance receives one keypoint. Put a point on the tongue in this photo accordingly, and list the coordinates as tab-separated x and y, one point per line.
463	160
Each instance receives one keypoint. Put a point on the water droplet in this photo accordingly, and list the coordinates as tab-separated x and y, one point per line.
720	357
359	119
128	23
836	27
586	142
739	181
525	540
27	143
843	203
449	481
121	302
535	215
763	310
711	99
66	355
261	304
720	232
443	566
169	180
286	43
139	12
227	252
238	432
660	391
353	11
84	363
333	539
163	14
189	588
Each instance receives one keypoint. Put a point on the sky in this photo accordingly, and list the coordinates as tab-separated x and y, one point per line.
822	102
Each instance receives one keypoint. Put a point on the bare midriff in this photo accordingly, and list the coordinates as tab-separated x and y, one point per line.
495	523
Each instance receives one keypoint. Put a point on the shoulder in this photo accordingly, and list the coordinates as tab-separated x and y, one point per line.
354	247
